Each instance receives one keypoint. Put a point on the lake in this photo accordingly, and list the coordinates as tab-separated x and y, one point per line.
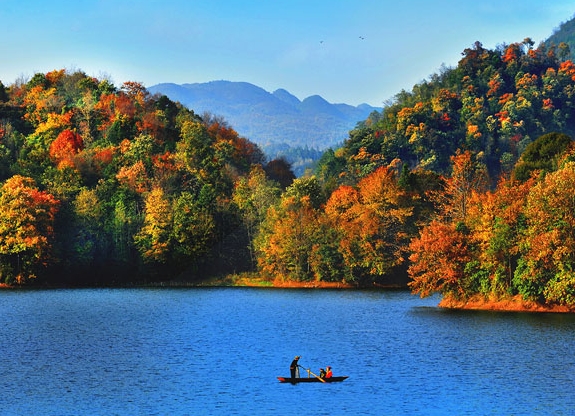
212	351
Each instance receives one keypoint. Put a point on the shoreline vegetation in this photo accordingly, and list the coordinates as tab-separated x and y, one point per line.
509	304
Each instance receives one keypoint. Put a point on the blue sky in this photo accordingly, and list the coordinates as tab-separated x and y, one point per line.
305	46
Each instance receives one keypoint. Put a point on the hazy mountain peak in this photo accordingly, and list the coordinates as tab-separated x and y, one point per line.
287	97
272	120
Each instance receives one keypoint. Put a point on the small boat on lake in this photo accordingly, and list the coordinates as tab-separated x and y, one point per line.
311	379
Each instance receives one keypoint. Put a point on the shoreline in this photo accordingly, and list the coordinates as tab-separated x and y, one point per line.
510	304
229	281
288	284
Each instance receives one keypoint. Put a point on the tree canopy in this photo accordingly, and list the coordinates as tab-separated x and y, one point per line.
102	184
462	186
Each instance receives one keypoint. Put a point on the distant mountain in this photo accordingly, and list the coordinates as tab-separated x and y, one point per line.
272	120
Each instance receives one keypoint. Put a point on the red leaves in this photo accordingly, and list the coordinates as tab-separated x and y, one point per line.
26	225
512	53
66	145
104	156
438	259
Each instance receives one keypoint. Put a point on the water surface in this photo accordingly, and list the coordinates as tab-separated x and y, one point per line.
218	351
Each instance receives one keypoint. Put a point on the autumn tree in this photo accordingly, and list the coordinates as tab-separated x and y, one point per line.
153	239
292	243
468	175
441	252
243	153
546	271
371	222
26	229
495	226
286	239
438	260
66	145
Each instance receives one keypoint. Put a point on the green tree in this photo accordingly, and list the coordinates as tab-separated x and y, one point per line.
542	155
194	230
88	239
254	195
306	187
286	240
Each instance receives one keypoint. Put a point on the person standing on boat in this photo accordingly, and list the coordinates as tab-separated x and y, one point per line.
328	373
294	367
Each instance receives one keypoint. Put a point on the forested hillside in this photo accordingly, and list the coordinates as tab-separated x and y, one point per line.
564	35
435	187
101	184
495	102
462	186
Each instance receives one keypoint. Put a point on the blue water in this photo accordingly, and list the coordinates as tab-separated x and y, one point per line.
218	351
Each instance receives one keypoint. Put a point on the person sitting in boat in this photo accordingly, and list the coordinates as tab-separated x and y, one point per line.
321	373
294	367
328	372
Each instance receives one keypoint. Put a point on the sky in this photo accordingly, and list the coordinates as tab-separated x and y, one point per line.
347	51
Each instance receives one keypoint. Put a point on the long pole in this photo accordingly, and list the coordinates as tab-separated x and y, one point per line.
315	375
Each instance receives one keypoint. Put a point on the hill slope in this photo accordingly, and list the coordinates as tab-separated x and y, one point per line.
564	34
271	120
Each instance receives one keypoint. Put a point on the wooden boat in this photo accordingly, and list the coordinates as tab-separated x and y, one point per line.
311	379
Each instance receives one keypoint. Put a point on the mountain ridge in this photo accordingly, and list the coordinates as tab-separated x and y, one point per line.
270	119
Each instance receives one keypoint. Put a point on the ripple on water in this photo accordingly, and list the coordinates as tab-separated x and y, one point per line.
218	351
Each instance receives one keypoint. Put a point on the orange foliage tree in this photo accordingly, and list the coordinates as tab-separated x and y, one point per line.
371	221
494	224
438	260
441	253
26	229
467	176
66	145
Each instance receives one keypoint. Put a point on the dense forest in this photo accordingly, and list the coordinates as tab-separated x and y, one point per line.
462	186
106	185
